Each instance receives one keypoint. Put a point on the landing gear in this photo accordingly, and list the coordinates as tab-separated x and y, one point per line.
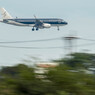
58	28
37	29
34	29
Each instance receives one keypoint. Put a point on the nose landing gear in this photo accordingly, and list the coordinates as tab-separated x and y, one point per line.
58	28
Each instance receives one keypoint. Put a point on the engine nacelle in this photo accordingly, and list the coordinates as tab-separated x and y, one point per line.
46	25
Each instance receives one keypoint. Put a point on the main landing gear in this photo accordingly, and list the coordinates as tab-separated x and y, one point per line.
34	29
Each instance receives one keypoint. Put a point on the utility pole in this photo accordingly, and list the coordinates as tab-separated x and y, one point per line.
70	44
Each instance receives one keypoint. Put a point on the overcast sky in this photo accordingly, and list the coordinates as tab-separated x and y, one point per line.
80	15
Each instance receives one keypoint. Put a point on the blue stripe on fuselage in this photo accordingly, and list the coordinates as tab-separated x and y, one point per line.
47	20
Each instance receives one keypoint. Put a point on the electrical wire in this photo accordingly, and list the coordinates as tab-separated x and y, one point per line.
45	47
58	38
87	39
86	44
4	42
30	47
42	40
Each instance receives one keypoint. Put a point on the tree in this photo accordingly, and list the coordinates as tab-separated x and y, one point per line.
71	83
79	60
25	82
64	79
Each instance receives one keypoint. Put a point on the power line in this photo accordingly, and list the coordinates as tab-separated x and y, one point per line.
87	39
42	40
60	47
86	44
29	47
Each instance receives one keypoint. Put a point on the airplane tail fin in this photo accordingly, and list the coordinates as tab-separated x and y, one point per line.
5	14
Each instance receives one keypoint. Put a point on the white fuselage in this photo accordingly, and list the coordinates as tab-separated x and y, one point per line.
31	22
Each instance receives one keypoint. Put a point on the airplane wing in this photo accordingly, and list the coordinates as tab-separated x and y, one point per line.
38	22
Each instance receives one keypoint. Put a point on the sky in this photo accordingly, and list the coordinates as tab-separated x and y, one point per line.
80	15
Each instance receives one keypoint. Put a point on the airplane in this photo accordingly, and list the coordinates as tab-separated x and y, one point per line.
36	23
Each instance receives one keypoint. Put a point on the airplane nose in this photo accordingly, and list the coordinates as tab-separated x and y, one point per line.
65	23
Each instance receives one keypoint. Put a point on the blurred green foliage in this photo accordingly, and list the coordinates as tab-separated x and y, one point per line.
78	60
64	79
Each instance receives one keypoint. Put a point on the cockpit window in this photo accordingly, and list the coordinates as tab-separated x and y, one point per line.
62	20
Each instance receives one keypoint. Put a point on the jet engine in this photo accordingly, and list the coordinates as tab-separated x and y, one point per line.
46	25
